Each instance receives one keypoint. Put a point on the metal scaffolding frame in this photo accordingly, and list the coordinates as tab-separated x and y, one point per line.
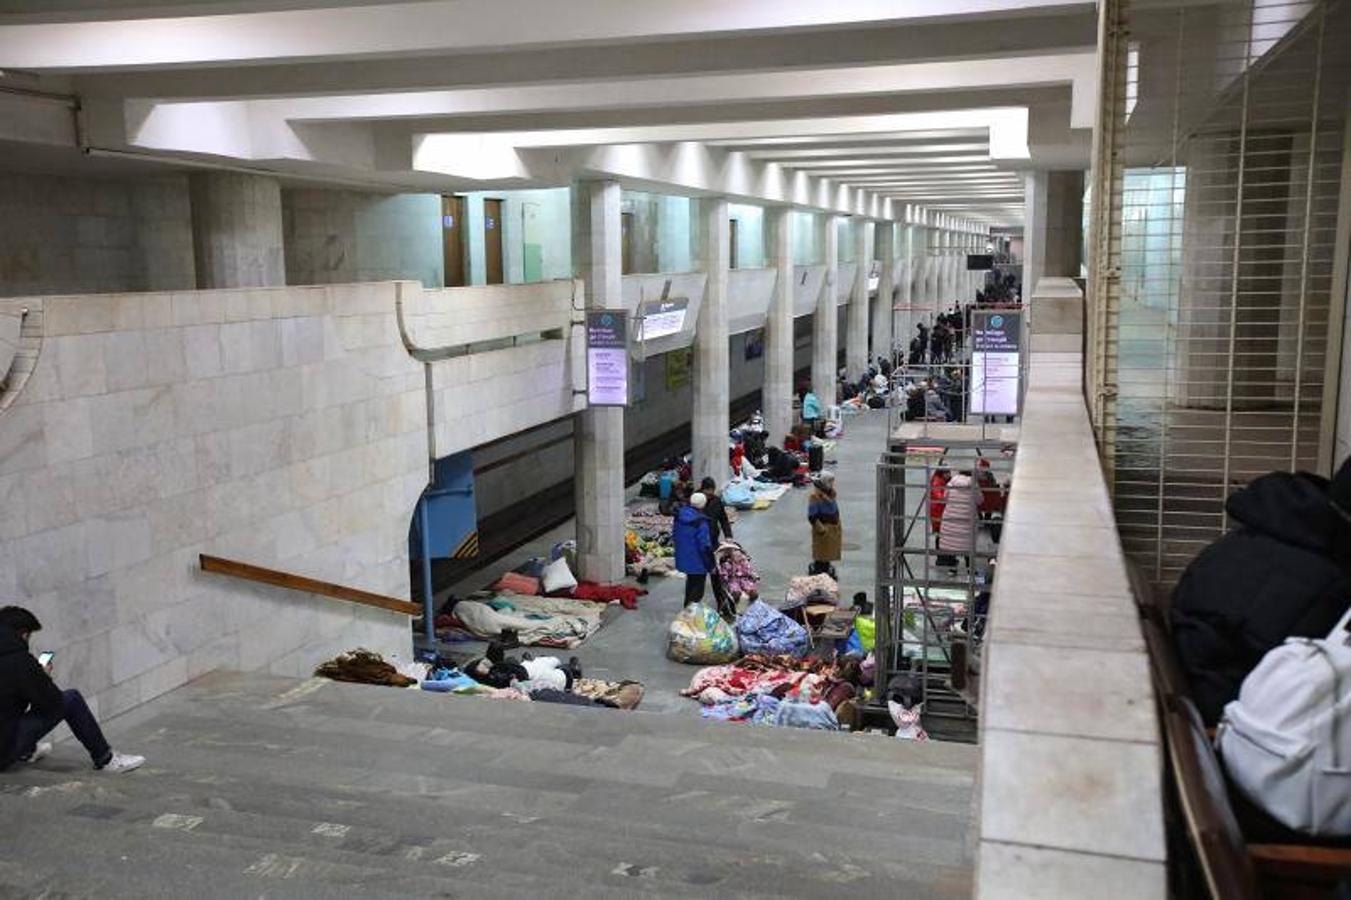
926	595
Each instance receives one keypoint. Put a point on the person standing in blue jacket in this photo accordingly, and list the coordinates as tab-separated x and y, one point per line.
692	536
811	409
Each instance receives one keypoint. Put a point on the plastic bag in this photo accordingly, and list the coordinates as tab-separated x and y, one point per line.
763	629
866	626
699	636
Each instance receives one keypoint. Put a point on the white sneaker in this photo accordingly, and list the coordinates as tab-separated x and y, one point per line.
122	762
40	751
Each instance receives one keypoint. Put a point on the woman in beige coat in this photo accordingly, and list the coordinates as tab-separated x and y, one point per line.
823	512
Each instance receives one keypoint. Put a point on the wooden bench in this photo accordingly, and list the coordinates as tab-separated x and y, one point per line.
1232	867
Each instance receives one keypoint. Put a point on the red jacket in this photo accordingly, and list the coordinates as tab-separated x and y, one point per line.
938	498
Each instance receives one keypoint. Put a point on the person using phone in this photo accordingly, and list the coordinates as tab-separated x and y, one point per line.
31	704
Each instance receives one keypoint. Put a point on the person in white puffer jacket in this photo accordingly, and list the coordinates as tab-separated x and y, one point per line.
957	533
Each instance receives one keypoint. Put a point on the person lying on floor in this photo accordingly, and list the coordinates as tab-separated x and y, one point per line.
31	705
528	673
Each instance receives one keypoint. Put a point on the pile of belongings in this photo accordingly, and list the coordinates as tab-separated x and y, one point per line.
763	629
647	541
805	589
700	636
554	578
748	493
788	691
658	482
362	666
544	679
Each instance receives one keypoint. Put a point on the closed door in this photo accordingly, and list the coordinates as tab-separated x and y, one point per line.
731	251
626	242
452	240
492	241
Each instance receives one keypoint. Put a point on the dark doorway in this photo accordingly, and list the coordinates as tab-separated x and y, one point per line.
492	241
452	240
731	250
626	242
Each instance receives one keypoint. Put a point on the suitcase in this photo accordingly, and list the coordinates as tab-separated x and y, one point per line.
816	457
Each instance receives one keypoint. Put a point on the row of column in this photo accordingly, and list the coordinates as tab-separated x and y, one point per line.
929	275
237	237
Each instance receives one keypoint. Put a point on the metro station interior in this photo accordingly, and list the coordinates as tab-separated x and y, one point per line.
502	448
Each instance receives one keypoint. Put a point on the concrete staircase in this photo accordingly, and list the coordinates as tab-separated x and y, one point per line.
264	786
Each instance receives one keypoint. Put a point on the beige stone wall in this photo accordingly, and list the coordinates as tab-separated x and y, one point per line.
488	395
280	426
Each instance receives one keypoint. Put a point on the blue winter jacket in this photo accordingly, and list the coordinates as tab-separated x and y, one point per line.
693	541
811	407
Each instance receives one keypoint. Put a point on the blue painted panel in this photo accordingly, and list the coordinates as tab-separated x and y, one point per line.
452	513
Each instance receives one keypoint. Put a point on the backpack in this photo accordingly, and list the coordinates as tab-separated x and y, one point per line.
1286	740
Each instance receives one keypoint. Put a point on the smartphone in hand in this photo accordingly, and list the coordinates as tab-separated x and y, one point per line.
45	659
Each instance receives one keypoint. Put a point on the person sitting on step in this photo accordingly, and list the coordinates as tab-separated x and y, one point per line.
31	705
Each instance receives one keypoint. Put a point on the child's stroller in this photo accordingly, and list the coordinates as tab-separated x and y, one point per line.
734	577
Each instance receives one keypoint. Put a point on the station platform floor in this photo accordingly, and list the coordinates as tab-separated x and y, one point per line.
632	643
260	786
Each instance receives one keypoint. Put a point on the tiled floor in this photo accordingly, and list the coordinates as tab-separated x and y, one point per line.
633	643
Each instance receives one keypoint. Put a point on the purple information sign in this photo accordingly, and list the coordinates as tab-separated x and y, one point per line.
607	357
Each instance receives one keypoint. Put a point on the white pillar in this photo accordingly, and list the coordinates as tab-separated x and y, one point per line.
856	319
598	433
885	236
708	456
778	391
904	327
1034	229
236	230
825	320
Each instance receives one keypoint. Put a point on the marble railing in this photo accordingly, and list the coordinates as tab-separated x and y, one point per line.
1071	801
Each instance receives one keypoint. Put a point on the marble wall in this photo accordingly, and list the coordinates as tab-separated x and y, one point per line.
488	395
339	237
280	426
62	235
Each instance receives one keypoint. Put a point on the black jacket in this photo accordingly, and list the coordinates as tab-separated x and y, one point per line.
1276	576
23	684
717	514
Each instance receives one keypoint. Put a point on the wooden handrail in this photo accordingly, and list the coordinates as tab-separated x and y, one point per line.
295	582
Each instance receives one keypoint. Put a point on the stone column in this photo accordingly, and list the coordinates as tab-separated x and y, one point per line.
711	373
856	319
778	392
941	272
598	433
930	259
904	327
824	322
1034	230
1064	223
886	287
236	230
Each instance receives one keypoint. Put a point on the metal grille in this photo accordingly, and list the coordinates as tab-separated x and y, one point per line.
1214	305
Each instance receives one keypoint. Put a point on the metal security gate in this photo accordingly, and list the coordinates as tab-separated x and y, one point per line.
931	600
1217	272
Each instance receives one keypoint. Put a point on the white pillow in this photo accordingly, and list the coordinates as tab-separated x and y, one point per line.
558	577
